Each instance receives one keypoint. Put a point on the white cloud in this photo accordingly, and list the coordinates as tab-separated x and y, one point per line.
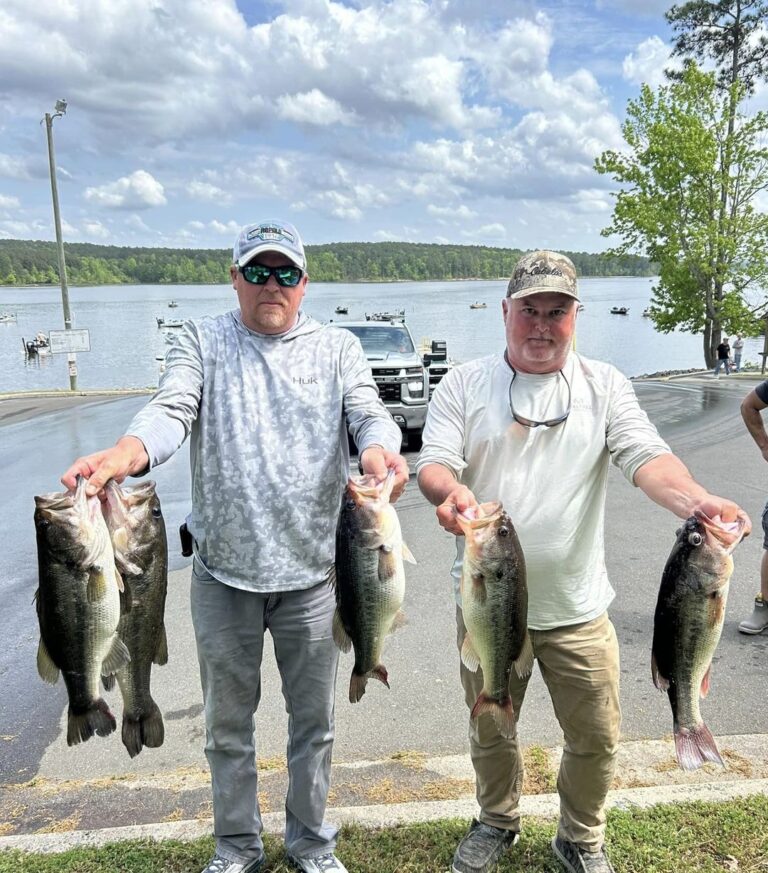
140	190
454	213
313	107
230	228
487	234
96	229
8	202
13	167
135	222
646	64
207	192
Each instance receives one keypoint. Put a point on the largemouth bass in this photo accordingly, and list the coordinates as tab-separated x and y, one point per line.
137	529
494	603
78	606
687	625
370	579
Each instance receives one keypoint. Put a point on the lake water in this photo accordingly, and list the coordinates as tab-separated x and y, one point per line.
125	339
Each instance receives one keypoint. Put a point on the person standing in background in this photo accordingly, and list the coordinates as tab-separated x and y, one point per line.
723	356
738	348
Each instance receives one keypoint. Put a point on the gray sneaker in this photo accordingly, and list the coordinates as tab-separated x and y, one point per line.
222	865
758	621
327	863
578	860
482	847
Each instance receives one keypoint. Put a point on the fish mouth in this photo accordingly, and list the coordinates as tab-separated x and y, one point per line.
728	534
480	516
368	487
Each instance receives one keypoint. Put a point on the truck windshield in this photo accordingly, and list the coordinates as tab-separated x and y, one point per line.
380	339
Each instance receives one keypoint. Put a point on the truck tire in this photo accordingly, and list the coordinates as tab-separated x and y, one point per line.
413	440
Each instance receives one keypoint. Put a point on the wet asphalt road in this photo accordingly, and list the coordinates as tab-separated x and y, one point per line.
424	710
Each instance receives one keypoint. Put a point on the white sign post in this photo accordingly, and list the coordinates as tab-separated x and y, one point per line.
69	341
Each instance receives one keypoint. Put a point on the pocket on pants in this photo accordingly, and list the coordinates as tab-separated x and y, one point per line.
200	574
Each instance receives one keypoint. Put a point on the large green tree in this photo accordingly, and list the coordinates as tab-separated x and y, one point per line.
689	177
729	32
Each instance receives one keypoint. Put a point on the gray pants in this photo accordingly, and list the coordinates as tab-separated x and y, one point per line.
229	629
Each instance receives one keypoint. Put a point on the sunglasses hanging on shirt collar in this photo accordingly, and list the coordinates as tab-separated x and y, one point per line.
529	422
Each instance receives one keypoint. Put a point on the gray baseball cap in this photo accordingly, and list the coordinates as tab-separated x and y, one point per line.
543	271
269	236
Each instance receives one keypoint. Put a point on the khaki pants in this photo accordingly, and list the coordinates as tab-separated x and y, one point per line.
580	666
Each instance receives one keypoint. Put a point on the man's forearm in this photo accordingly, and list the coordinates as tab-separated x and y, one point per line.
436	483
667	481
754	422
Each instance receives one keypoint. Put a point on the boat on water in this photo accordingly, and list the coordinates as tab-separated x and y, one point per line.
619	310
40	345
397	315
341	310
477	305
169	322
646	313
7	317
172	304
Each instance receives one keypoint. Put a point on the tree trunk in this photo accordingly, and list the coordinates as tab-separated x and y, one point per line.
710	346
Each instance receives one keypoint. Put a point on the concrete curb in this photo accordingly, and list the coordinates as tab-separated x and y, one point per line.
546	806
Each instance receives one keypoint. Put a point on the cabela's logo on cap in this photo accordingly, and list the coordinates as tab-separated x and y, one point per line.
544	270
272	232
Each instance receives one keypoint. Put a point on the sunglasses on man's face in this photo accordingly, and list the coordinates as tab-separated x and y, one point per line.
258	274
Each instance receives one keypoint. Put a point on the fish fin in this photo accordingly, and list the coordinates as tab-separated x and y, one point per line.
408	555
97	584
661	682
97	719
340	635
469	656
161	654
705	684
357	681
121	586
357	685
524	661
117	657
108	682
695	747
380	672
148	730
502	711
398	621
46	669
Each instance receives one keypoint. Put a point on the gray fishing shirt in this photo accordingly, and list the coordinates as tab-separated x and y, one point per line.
268	421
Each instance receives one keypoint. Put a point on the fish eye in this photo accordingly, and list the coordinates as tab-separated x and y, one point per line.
157	512
350	504
503	531
695	539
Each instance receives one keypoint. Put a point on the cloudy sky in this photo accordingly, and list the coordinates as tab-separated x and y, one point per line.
462	121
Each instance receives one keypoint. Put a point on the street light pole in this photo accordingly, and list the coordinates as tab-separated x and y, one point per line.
61	108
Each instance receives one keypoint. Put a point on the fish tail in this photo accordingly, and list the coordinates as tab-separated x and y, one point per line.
358	681
502	711
695	746
97	719
147	730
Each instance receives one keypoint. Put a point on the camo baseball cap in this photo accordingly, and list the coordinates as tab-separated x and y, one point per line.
543	271
269	236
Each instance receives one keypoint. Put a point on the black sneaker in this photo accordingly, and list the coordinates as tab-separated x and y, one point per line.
482	847
578	860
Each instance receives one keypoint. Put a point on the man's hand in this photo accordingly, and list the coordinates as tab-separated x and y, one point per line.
728	511
376	461
458	500
127	456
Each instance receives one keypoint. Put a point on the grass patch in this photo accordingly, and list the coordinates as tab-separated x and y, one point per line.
540	777
700	837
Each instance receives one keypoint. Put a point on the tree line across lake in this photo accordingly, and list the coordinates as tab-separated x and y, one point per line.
34	262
